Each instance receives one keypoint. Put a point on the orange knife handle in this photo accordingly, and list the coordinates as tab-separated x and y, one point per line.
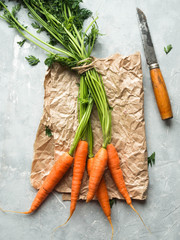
161	93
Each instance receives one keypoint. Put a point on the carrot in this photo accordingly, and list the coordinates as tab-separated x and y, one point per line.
100	162
102	195
117	175
78	172
57	172
116	172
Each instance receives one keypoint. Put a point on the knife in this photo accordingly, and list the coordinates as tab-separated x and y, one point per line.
158	83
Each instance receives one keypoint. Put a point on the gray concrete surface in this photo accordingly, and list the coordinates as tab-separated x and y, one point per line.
21	105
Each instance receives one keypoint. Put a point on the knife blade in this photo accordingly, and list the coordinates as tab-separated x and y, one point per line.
157	79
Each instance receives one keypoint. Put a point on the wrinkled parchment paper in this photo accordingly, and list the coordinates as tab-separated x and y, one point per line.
122	78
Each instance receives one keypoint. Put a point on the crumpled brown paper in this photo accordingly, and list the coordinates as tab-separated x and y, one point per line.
122	78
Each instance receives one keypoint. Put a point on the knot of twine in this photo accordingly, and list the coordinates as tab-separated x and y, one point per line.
86	66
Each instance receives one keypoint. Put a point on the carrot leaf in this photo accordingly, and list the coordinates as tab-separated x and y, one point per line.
151	159
32	60
16	9
168	48
112	202
48	132
21	43
36	25
1	7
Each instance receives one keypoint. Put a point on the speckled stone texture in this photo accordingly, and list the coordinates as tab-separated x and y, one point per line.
21	106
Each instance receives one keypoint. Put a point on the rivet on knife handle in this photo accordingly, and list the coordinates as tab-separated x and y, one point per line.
160	93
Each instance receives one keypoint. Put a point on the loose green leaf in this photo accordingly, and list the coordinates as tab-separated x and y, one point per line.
32	60
21	43
16	9
151	159
168	48
112	202
1	7
35	25
48	132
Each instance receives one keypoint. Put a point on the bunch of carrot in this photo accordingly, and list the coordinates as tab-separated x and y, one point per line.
77	46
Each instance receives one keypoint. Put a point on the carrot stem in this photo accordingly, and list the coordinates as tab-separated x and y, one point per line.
90	140
18	25
96	86
83	102
81	127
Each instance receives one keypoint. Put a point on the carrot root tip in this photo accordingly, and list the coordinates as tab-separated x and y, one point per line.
15	211
109	218
88	198
2	210
139	217
63	223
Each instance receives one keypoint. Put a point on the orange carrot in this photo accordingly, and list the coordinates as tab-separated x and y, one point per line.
57	172
78	172
116	172
100	162
117	175
102	195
